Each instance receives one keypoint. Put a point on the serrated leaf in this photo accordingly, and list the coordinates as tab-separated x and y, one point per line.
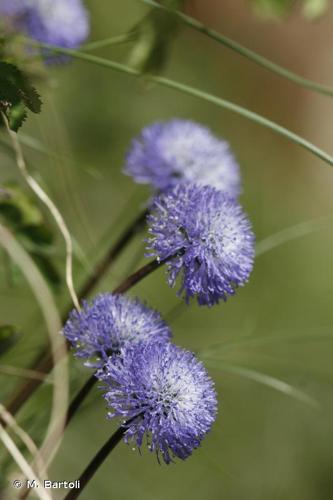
8	338
17	95
14	78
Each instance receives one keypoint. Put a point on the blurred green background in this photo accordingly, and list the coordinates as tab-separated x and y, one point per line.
265	444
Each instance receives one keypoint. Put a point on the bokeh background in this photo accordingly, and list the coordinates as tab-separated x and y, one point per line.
265	444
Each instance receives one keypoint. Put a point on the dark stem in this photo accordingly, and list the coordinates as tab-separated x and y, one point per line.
109	258
79	398
138	276
44	361
96	462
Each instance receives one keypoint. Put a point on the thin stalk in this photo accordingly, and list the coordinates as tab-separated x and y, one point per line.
292	233
195	92
79	398
107	42
14	371
22	463
244	51
58	353
103	265
96	462
139	275
46	200
26	440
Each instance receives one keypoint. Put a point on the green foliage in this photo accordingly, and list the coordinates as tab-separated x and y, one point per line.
17	95
8	338
219	364
25	218
153	37
277	8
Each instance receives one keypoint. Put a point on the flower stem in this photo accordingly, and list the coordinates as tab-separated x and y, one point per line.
244	51
195	92
103	265
46	200
138	276
79	398
96	462
113	40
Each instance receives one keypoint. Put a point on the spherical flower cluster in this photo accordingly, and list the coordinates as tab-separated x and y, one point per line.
179	150
111	323
64	23
207	239
163	392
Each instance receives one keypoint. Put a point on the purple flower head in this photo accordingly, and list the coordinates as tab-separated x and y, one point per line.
111	323
207	238
64	23
163	392
180	150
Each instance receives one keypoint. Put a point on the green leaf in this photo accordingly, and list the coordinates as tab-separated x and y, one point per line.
17	95
261	378
314	334
8	338
293	233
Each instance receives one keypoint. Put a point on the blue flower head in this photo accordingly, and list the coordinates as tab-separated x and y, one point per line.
180	150
163	392
111	323
207	238
64	23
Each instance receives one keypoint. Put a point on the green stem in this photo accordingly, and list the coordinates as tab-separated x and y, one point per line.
114	40
181	87
244	51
